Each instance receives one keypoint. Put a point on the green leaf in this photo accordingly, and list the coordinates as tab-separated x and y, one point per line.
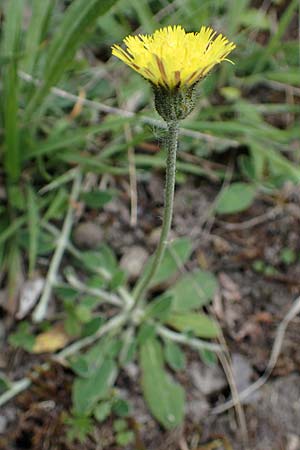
125	438
4	383
197	323
288	256
164	397
103	258
208	357
87	392
79	366
58	206
118	279
174	356
256	19
72	325
290	76
193	290
160	307
121	407
79	426
97	199
146	331
11	229
106	348
65	292
83	313
22	338
102	411
235	198
278	165
11	40
177	253
33	228
120	425
70	139
275	42
41	11
91	327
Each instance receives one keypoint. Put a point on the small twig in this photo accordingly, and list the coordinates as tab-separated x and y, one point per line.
225	360
15	389
277	85
41	308
57	182
132	176
269	215
195	343
276	349
97	292
123	113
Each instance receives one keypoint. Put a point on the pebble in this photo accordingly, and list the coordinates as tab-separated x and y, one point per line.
133	261
208	380
88	235
197	409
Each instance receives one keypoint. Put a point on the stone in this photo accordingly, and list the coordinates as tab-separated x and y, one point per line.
208	379
87	235
133	261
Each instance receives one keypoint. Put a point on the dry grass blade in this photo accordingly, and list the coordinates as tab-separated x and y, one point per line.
292	313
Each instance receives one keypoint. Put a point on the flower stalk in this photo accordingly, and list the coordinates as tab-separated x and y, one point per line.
172	145
174	62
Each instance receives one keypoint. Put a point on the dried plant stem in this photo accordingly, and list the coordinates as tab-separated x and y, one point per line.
276	349
41	308
132	176
15	389
172	144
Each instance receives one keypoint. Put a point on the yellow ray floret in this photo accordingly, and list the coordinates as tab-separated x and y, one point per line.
170	57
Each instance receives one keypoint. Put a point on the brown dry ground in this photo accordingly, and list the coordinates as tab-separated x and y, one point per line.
249	306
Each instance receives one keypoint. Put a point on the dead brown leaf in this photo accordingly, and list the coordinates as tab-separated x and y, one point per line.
52	340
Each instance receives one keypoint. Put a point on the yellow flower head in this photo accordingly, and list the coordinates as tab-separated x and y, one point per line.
172	58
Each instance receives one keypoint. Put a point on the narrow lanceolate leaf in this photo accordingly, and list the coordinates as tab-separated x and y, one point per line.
71	138
33	228
174	356
78	21
11	50
176	255
197	323
164	397
193	290
36	32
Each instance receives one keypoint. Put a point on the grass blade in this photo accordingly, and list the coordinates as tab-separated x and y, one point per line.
275	40
33	228
77	23
11	48
41	11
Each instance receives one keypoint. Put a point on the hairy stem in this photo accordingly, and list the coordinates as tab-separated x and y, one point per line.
172	144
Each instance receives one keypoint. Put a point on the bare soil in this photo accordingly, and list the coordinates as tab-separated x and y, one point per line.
250	305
